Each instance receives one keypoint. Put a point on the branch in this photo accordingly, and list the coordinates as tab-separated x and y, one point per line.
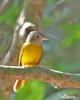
61	79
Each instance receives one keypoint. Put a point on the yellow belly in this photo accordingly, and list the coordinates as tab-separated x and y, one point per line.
31	54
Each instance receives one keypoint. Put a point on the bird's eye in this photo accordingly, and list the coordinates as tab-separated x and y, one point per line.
37	36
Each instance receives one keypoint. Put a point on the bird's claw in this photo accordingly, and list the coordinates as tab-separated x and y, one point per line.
24	66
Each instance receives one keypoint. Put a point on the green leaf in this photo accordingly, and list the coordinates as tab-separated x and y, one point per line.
33	90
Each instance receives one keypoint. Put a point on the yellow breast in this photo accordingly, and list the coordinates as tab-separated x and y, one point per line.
31	54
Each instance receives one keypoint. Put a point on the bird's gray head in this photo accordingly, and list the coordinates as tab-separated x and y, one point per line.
36	37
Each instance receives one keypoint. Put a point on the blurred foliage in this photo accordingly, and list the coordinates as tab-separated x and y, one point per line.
61	24
65	94
33	90
7	23
71	68
4	38
47	21
73	30
12	13
52	1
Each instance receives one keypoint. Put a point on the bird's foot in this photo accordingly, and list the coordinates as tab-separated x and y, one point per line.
24	66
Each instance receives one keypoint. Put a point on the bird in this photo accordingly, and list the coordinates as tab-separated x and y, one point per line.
30	54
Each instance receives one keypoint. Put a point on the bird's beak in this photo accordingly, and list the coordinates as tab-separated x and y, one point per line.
44	38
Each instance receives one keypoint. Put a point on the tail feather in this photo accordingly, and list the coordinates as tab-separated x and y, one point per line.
18	84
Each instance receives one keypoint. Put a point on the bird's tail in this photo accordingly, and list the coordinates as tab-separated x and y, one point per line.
18	84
